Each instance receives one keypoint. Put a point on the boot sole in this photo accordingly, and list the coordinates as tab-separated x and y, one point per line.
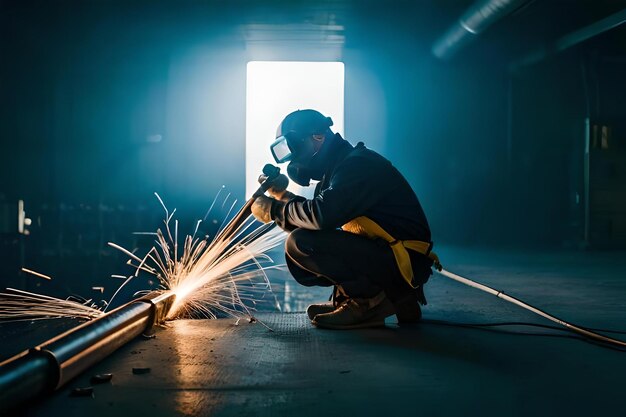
312	316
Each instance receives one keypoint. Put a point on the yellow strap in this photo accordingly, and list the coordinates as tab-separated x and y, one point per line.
365	226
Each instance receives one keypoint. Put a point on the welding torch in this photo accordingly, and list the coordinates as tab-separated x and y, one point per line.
270	174
267	179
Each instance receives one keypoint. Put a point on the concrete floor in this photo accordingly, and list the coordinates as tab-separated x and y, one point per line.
214	367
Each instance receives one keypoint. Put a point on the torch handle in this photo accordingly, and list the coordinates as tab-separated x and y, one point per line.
271	172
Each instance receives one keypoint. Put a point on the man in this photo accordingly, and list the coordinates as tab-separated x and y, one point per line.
364	232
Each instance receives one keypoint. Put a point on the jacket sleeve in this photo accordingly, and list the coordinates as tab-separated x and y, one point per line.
356	184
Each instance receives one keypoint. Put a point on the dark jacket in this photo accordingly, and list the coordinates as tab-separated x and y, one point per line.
358	182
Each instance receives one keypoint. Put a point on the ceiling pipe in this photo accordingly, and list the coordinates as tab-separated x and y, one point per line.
474	21
572	39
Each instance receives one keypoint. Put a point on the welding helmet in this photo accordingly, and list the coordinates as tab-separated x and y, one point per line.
294	144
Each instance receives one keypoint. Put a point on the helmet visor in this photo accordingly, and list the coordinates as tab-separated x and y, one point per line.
280	150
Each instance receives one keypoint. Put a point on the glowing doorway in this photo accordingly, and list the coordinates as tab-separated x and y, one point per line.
275	89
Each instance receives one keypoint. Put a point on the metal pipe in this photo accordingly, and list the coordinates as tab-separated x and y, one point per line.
52	364
24	377
474	21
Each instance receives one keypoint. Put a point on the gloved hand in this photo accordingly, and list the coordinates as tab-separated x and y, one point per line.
278	190
262	208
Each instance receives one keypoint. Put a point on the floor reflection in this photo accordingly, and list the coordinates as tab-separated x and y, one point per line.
193	368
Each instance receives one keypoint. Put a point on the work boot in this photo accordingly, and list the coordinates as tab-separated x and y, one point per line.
338	297
322	308
355	313
407	308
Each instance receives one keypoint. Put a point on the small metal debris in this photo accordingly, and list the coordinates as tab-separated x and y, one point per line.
101	378
344	372
82	392
141	371
148	336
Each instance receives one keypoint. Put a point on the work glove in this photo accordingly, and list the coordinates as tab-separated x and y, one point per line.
262	208
278	190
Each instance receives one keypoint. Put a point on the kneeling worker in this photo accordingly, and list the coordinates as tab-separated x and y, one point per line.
364	232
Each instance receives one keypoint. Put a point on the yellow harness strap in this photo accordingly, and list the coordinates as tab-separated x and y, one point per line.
365	226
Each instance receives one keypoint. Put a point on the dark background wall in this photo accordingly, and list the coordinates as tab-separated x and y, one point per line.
551	102
104	103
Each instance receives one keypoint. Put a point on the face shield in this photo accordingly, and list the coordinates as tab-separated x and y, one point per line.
280	150
298	152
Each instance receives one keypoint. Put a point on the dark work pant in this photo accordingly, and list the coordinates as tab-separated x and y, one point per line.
363	267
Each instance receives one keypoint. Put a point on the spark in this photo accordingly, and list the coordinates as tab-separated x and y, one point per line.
223	276
210	278
127	252
18	305
212	204
37	274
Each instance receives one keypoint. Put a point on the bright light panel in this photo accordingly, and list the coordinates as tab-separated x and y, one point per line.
275	89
